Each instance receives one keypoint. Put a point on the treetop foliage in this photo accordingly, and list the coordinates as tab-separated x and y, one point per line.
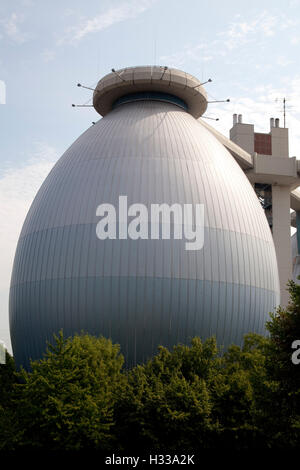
80	396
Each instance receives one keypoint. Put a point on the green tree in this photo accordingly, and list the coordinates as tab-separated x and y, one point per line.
67	399
7	378
247	391
10	432
284	329
168	403
191	397
194	398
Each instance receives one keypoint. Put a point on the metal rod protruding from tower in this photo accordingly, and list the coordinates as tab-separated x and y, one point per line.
117	73
86	87
165	69
82	105
200	84
213	119
219	101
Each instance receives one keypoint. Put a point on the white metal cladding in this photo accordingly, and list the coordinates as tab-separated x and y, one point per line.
142	293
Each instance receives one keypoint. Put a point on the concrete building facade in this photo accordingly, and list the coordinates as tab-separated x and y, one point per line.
273	176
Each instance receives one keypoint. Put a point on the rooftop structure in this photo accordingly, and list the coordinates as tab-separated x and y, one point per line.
159	83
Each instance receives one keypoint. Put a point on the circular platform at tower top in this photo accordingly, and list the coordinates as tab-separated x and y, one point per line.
150	83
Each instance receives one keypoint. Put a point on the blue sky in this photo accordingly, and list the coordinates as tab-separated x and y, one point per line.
249	49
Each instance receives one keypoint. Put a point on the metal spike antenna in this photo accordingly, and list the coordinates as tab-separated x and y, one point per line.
220	101
82	105
213	119
284	109
117	73
86	87
200	84
217	101
85	105
164	71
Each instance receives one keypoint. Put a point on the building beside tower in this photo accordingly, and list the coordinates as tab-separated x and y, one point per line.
152	148
273	175
264	157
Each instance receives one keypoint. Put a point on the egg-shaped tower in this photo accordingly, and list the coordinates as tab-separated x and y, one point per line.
143	291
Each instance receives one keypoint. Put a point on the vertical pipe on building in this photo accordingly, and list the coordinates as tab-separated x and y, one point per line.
240	119
271	123
281	196
298	231
234	119
277	122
